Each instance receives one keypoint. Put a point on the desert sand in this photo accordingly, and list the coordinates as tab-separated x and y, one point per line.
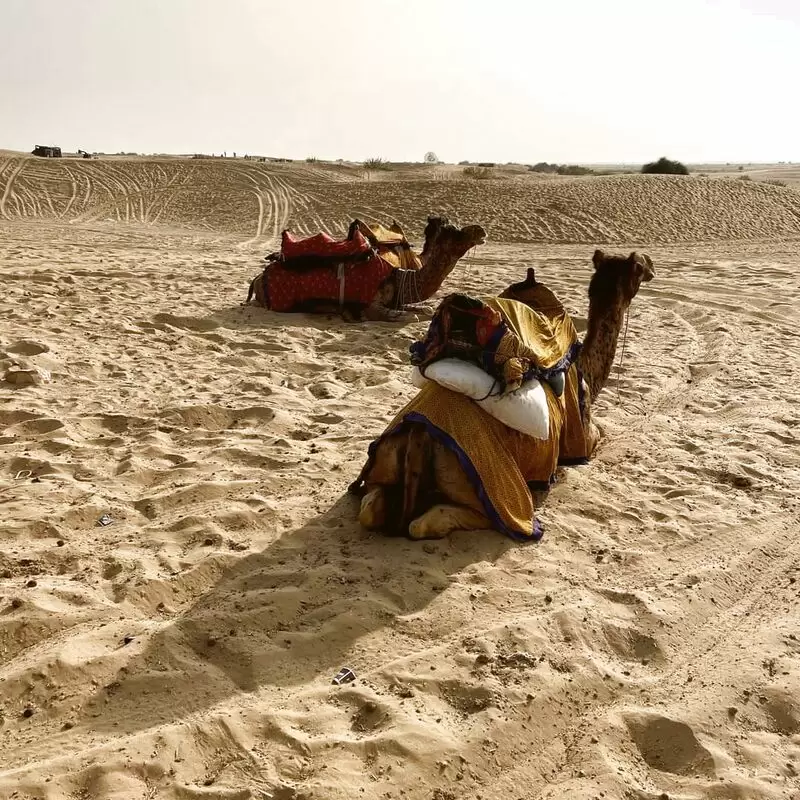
647	647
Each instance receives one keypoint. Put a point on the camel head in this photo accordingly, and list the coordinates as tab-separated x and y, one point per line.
618	278
448	240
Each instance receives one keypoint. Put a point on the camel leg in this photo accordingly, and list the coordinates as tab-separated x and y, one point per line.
440	520
372	515
593	436
375	312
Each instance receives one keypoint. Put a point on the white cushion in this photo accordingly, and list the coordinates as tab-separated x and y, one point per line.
524	410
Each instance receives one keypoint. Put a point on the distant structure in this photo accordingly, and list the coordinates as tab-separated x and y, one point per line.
46	151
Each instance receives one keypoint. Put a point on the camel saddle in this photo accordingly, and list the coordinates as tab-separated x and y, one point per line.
391	244
508	339
321	250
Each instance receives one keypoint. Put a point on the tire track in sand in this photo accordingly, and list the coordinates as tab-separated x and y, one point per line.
280	204
7	192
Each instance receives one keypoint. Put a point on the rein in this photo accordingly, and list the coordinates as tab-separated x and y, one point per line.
622	355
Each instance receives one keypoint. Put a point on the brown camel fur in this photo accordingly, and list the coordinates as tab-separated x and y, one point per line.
428	494
444	245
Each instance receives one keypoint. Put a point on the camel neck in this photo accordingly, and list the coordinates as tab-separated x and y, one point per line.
426	281
600	345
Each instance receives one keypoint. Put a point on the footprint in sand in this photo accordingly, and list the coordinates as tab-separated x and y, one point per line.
632	644
669	745
28	347
186	323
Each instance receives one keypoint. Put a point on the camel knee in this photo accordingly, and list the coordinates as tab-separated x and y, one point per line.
372	514
440	520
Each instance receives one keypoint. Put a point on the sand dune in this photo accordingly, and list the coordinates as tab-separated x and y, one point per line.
647	647
258	200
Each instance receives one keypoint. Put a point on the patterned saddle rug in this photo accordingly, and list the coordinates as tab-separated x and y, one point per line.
356	283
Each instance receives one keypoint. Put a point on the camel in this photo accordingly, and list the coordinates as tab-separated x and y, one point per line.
418	485
444	245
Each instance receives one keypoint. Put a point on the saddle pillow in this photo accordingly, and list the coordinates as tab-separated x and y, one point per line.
524	410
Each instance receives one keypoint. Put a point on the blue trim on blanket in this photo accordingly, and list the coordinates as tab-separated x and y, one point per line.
469	470
544	374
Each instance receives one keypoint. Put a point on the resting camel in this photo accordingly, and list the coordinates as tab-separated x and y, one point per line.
444	245
416	483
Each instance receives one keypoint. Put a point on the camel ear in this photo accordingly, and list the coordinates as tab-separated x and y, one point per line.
531	276
598	258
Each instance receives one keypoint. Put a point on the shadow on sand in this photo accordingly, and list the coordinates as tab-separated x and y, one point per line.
248	316
288	615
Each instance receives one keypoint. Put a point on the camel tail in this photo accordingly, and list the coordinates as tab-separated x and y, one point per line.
252	290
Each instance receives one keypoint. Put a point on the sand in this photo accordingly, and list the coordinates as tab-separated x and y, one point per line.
649	646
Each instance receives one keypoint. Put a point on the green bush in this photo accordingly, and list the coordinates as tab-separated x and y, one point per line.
665	166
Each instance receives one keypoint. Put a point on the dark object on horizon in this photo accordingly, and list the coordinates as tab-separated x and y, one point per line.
665	167
46	151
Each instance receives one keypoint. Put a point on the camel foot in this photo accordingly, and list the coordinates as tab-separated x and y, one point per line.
440	520
593	438
372	515
379	313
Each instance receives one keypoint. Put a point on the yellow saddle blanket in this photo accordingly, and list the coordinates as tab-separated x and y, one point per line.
392	246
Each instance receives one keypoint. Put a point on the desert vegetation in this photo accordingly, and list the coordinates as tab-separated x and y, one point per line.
665	166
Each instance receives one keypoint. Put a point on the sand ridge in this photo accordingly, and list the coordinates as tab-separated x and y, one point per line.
647	646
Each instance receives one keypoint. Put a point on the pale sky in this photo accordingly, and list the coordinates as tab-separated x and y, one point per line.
495	80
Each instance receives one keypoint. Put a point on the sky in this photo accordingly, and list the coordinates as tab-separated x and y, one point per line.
496	80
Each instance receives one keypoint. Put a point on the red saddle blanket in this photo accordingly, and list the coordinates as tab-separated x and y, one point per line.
288	289
323	246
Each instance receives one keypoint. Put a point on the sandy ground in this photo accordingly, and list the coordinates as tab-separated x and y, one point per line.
648	647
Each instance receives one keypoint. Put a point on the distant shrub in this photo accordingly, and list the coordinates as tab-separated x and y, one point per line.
463	163
312	160
573	169
745	178
376	164
561	169
665	166
776	182
486	164
479	173
431	157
